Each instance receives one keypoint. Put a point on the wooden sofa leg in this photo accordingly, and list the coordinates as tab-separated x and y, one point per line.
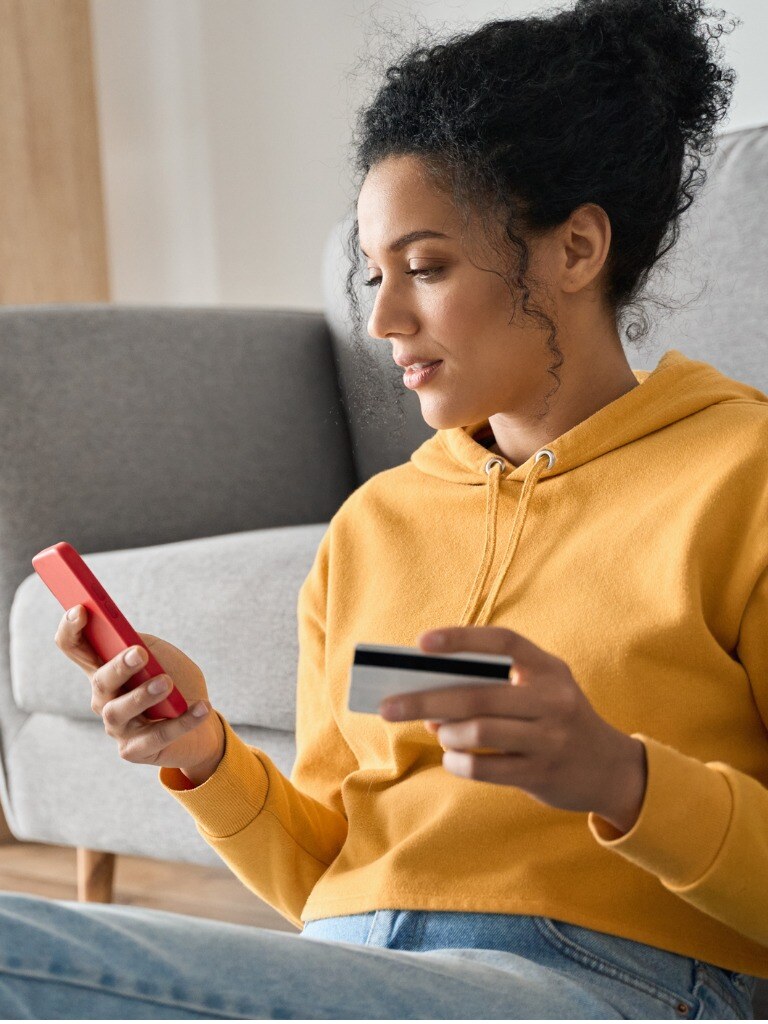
95	875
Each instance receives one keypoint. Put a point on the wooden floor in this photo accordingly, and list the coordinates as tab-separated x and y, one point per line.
216	893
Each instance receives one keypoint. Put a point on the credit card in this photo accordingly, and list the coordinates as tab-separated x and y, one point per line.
379	671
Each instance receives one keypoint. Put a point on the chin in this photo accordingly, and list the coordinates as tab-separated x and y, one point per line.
446	419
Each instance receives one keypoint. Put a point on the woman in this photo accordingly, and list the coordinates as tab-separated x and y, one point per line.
587	841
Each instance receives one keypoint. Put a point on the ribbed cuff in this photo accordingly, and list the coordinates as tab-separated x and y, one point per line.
232	797
683	820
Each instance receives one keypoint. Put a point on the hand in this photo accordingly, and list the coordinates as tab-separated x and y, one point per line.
186	742
544	735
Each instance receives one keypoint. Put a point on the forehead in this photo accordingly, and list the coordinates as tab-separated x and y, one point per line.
397	196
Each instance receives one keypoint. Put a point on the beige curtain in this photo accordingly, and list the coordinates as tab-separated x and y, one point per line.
52	235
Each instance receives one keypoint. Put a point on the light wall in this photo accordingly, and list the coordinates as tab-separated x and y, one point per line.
225	126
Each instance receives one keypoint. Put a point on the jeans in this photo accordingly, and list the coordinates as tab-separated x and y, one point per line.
61	959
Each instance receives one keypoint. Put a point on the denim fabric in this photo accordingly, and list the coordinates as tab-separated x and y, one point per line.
61	959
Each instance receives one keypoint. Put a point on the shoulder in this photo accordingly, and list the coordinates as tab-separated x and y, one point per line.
748	412
380	495
382	486
739	431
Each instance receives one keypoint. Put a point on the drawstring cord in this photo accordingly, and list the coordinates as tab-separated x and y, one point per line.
494	468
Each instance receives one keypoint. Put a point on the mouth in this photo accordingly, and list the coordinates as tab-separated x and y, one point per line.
421	366
416	375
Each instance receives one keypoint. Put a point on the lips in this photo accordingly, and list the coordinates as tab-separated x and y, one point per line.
421	366
408	362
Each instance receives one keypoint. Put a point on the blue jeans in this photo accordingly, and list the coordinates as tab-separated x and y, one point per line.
61	959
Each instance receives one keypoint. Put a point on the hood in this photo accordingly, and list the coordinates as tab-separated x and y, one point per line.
677	388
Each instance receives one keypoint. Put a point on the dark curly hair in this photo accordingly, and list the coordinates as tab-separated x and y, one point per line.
521	121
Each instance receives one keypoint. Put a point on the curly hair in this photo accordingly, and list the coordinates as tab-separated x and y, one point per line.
521	121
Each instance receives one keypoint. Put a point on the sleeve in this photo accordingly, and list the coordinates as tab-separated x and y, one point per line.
279	835
717	857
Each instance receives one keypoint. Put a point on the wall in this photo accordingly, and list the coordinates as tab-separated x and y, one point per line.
225	126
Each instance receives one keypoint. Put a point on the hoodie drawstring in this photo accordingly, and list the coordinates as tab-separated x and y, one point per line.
494	468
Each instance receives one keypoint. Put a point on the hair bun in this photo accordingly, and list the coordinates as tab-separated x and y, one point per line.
667	41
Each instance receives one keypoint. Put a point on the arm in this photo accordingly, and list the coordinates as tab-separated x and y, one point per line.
702	828
279	835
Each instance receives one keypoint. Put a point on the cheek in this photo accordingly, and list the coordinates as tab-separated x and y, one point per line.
461	313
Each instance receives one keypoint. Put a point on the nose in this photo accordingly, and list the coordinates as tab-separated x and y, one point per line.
390	314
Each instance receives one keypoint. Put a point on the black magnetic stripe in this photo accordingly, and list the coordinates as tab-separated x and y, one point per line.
423	663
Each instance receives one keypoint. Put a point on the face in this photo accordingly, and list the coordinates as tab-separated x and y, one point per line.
433	300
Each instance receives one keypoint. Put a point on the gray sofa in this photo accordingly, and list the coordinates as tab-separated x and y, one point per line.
195	457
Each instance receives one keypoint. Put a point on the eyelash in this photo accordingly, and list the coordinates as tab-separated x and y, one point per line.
373	281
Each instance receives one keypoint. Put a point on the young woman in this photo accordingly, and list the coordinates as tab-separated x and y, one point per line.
588	841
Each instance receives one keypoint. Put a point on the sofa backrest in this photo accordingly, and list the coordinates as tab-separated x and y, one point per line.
714	278
124	427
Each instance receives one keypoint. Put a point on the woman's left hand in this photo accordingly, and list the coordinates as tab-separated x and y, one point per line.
545	736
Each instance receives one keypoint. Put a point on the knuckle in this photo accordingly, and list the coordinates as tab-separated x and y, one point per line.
62	641
126	751
108	714
163	732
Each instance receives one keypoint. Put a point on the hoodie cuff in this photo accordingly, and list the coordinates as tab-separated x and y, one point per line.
230	798
683	820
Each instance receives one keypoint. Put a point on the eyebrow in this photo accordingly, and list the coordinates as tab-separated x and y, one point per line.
412	236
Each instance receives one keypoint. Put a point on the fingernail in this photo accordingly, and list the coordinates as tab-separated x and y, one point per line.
200	709
158	685
134	657
73	613
436	641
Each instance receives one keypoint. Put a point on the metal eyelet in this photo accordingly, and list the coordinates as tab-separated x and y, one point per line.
499	462
549	455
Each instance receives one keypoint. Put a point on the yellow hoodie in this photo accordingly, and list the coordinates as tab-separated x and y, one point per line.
638	553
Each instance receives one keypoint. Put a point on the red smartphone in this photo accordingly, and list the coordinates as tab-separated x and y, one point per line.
107	630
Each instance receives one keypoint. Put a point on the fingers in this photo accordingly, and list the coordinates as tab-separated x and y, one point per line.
138	741
110	677
69	639
144	745
120	713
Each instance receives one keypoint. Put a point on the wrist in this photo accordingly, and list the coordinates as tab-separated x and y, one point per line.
200	773
627	777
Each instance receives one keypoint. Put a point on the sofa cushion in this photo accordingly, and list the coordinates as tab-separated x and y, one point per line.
70	787
228	602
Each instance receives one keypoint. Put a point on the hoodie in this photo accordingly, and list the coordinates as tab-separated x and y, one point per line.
635	548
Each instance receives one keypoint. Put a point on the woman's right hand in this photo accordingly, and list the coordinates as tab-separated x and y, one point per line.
195	745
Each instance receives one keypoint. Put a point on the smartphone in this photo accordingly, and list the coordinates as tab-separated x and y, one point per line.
71	582
379	671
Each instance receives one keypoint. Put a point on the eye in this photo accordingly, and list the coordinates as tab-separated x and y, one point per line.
373	281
